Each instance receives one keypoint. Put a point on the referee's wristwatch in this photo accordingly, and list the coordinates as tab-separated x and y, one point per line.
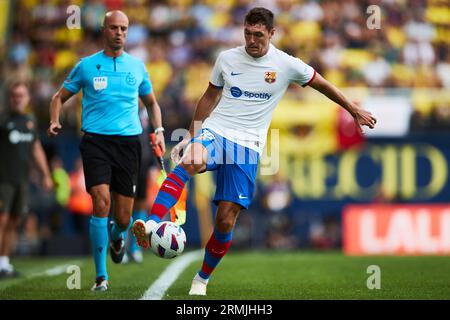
158	130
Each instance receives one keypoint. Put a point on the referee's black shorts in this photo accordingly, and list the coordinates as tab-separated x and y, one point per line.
112	160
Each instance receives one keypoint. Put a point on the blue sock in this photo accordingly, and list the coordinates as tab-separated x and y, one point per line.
215	250
98	231
117	233
142	214
155	218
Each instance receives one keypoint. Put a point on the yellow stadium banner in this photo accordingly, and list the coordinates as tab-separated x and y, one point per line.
4	10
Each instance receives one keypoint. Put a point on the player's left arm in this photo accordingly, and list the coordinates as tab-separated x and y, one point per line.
362	117
154	112
41	162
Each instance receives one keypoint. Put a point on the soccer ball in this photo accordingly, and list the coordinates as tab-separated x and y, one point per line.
167	240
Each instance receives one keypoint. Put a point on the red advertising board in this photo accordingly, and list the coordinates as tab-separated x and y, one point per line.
410	229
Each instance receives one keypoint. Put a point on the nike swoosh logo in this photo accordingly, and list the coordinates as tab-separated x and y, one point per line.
235	74
170	187
217	251
242	197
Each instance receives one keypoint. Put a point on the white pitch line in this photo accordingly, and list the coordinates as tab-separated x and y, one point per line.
51	272
55	271
170	274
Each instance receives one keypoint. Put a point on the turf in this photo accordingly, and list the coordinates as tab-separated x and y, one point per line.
246	275
299	275
126	281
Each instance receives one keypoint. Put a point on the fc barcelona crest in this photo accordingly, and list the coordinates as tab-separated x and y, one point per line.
270	77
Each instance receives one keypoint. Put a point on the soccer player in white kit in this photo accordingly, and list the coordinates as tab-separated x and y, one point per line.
235	113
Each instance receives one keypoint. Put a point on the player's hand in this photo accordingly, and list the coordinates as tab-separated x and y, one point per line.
53	129
363	117
175	154
159	141
47	183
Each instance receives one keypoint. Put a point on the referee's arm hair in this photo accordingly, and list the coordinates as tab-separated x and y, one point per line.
154	112
58	99
362	117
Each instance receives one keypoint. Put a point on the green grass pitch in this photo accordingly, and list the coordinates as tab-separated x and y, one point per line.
249	275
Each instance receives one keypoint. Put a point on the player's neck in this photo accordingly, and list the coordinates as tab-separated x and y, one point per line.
113	53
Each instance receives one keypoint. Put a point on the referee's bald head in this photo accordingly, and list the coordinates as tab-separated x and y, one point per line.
115	16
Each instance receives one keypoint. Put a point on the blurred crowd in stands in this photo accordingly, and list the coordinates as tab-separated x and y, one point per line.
179	41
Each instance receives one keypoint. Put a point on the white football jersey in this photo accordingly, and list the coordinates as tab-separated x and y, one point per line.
252	88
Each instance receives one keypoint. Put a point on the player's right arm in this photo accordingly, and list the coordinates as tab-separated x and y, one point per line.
58	99
71	86
204	107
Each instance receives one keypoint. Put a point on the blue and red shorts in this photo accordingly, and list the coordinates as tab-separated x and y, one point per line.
236	167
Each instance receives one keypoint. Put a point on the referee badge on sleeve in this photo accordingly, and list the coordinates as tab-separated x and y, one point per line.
100	83
270	77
